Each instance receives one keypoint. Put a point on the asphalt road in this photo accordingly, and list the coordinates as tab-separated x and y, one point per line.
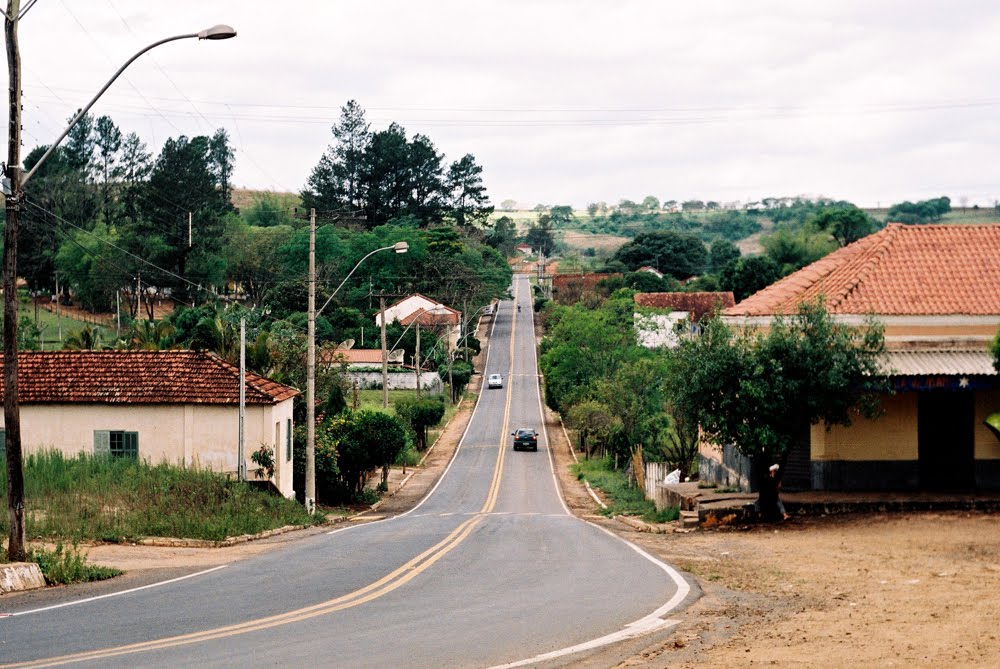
489	570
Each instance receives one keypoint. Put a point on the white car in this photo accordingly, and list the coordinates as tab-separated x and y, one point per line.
494	381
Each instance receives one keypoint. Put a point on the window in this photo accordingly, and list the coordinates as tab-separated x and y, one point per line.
288	440
116	443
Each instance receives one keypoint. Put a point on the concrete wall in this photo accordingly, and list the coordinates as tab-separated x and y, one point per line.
191	435
429	381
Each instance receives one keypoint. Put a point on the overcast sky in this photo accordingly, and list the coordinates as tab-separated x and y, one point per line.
561	102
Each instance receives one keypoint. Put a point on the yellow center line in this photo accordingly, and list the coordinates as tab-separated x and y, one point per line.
391	581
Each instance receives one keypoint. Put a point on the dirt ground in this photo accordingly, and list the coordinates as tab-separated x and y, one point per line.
914	590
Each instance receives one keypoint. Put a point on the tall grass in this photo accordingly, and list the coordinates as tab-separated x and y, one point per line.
118	499
624	499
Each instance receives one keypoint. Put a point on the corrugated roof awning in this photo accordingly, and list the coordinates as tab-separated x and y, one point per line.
938	363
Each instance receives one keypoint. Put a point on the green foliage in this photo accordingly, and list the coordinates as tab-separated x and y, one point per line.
761	390
460	374
367	440
114	499
794	248
846	225
624	499
676	254
924	211
721	253
748	275
995	347
64	565
420	414
389	176
329	488
263	457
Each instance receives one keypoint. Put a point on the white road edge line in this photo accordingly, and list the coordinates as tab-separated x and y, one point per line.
648	623
454	455
117	594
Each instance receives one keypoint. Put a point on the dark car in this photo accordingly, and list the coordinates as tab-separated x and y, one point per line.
526	438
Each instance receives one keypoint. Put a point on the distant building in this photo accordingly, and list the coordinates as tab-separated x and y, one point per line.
674	315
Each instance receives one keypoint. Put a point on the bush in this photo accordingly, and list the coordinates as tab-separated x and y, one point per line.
68	565
419	415
368	440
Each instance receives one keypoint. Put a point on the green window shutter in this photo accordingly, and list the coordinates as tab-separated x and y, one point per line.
131	445
288	440
102	442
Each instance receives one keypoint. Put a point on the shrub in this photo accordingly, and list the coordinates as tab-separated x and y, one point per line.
67	565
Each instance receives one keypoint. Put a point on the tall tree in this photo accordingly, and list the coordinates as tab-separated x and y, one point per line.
184	182
337	181
469	202
108	144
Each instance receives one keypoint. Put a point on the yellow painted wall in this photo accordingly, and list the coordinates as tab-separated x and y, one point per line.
893	436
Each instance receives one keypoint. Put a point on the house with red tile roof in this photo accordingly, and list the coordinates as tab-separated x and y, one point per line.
429	314
936	291
179	407
570	287
662	318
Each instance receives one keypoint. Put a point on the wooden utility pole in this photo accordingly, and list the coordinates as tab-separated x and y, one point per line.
310	492
11	409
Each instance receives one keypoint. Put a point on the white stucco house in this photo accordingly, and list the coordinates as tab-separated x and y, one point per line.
179	407
417	308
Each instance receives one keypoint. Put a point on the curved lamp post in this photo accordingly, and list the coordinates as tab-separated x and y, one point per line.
14	192
398	247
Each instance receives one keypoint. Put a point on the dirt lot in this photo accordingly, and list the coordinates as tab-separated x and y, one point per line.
868	591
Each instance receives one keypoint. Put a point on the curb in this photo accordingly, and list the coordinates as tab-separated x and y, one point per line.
17	576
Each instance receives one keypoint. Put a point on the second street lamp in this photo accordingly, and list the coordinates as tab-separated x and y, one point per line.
310	483
14	192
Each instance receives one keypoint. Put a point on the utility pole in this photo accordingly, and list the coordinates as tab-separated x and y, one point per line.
416	360
385	355
241	457
190	237
11	410
310	493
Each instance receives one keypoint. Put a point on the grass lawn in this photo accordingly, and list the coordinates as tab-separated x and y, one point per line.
96	498
623	498
51	324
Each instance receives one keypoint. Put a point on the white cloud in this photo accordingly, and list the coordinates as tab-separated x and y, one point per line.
562	101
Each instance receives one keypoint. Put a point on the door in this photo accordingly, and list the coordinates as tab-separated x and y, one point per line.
945	440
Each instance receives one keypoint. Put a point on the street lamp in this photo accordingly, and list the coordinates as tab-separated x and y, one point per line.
13	188
398	247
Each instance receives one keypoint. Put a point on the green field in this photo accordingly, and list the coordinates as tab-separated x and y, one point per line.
53	325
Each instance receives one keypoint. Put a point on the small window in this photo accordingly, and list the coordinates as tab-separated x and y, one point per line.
288	440
116	443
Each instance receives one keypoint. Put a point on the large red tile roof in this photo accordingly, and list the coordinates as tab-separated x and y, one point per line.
903	270
138	377
698	304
